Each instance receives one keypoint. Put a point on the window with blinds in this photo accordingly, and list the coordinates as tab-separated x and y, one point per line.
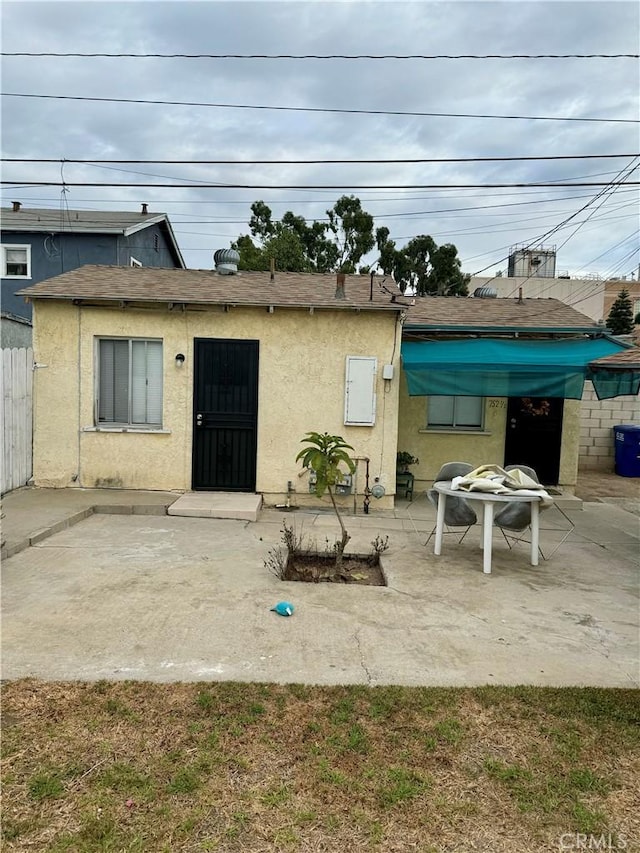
455	412
129	382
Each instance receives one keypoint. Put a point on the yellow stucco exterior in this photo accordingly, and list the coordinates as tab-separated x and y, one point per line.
302	359
436	447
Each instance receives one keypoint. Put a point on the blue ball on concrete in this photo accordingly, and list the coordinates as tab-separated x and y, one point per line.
283	608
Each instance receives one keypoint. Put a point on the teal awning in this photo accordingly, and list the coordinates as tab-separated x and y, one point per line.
614	383
490	367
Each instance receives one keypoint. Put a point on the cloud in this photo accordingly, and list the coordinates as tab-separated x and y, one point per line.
205	219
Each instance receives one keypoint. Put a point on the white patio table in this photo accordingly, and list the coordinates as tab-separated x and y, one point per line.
488	500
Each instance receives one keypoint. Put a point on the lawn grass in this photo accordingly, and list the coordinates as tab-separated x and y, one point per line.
132	766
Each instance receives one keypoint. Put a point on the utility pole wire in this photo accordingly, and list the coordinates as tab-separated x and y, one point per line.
221	186
312	109
329	55
319	162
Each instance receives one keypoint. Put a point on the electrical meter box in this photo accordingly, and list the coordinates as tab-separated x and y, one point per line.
342	488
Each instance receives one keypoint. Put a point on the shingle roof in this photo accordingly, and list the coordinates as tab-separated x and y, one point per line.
288	289
207	287
623	360
79	221
440	312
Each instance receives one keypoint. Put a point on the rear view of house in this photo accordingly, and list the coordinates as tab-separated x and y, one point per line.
200	379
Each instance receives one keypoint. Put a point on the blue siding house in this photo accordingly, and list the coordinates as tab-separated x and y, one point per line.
38	244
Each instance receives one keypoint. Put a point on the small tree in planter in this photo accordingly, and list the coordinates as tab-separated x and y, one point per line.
324	456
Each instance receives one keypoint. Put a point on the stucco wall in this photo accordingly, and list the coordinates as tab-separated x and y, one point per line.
434	448
301	388
584	294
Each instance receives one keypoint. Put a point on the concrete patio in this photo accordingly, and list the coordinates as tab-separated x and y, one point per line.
146	595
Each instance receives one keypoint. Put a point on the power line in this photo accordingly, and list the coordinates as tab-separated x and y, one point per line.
610	249
220	186
328	55
313	109
621	178
317	162
284	202
198	181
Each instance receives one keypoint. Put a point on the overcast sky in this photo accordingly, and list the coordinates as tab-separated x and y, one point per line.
206	219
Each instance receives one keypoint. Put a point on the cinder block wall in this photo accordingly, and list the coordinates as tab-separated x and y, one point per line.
597	419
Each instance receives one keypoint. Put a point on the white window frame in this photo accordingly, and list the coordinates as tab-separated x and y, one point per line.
134	262
26	247
130	423
454	425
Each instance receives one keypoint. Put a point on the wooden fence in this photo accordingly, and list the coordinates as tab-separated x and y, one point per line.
16	393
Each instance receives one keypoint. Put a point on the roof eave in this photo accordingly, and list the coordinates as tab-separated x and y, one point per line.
465	329
623	368
144	223
133	301
160	219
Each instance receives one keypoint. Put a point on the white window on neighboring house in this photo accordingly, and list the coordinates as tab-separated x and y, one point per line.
16	261
134	262
360	391
129	382
464	413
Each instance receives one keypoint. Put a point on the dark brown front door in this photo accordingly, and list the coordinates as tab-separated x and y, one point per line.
534	435
225	414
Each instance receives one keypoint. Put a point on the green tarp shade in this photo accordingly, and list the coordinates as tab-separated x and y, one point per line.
614	383
490	367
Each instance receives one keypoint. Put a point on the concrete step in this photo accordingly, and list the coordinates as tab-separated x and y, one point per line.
238	505
566	500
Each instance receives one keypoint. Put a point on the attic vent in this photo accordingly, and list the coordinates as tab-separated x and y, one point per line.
226	261
485	293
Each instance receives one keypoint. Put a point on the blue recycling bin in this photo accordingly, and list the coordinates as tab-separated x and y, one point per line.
626	440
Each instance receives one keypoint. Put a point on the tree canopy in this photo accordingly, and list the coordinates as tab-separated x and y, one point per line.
338	245
335	245
422	267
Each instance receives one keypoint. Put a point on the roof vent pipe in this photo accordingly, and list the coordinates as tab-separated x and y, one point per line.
16	206
272	267
145	208
520	299
340	291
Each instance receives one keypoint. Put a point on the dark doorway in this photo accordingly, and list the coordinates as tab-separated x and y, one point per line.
225	415
534	435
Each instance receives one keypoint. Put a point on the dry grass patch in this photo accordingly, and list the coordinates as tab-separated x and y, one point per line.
131	766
